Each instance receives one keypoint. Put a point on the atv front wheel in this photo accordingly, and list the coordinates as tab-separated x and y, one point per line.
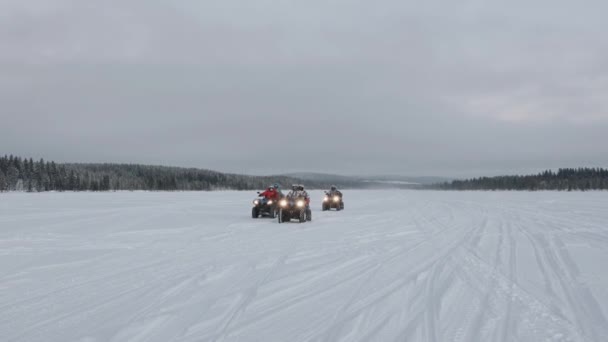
308	215
255	212
302	216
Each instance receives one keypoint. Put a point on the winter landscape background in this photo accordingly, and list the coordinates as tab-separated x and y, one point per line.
468	137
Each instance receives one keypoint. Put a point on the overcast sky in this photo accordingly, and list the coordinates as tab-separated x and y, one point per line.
448	88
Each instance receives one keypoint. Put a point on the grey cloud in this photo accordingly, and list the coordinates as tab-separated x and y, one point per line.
352	87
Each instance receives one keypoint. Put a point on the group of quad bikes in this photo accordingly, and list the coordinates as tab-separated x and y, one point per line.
293	208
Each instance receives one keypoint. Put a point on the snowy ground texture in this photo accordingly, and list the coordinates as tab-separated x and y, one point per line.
394	266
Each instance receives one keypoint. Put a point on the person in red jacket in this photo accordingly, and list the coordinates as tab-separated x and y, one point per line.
271	193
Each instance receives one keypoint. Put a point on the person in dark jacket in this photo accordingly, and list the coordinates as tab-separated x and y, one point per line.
333	191
277	187
297	190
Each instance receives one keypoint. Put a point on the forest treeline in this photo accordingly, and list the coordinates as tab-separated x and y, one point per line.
566	179
23	174
26	174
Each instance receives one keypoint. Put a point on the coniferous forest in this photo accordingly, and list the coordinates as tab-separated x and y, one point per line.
566	179
23	174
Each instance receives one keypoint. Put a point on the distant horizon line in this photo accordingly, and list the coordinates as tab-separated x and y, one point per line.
298	174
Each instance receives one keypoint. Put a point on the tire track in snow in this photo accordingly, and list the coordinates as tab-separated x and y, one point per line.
505	290
247	298
429	311
508	325
489	296
312	291
586	314
539	255
433	300
536	312
436	263
333	332
580	298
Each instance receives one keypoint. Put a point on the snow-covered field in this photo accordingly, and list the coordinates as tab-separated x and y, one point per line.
394	266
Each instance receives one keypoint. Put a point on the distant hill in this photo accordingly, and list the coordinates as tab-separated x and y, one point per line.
406	179
322	177
374	181
23	174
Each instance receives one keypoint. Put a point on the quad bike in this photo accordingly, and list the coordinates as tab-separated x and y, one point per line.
294	208
264	207
334	201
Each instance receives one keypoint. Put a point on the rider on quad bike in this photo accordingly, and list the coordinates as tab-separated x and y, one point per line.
267	204
277	187
295	205
333	191
333	199
298	191
271	193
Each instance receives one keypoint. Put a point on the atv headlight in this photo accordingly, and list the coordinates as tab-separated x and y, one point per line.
270	202
256	202
283	203
300	203
336	198
325	199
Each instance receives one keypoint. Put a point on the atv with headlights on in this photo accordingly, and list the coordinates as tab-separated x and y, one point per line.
264	207
332	201
294	208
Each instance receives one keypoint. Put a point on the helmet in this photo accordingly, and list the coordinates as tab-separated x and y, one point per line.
295	187
271	187
276	185
301	187
333	188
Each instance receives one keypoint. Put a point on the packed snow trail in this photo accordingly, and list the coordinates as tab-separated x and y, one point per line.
394	266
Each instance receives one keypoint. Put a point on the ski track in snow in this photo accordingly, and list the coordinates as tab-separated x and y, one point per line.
394	266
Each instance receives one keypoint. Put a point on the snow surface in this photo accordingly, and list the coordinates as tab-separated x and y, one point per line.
394	266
